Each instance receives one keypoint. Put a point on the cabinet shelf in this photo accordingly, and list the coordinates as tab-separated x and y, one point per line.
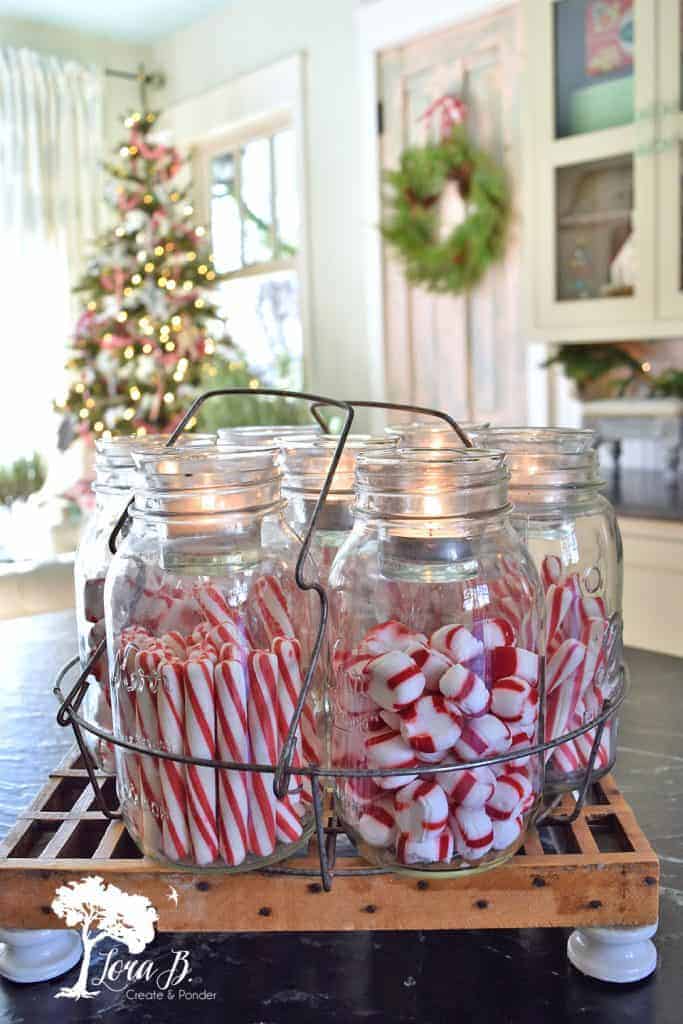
594	219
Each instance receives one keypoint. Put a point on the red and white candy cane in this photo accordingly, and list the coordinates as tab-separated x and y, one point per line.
564	663
456	642
230	631
421	809
565	758
212	604
200	731
271	607
561	707
232	744
288	827
171	715
558	601
290	682
147	731
174	645
593	635
551	570
262	723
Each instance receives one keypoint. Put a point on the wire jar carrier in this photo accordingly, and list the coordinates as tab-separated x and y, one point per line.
287	770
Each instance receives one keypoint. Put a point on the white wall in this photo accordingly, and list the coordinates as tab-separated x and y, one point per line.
119	95
253	35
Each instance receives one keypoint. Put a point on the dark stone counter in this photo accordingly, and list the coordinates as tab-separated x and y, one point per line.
645	494
485	977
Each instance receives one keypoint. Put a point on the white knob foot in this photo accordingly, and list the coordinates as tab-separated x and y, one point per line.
618	954
38	955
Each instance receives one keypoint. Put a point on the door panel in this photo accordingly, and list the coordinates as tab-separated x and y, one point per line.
461	353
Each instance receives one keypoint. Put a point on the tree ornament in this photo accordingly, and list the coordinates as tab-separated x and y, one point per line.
446	245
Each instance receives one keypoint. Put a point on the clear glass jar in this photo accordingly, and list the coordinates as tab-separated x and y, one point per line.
432	664
260	435
572	533
432	433
114	474
203	616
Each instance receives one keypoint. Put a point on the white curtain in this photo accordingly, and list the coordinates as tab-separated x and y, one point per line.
50	201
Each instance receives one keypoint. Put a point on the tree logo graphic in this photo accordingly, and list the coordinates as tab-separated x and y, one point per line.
102	911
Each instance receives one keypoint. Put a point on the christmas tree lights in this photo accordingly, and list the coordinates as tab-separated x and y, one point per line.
150	338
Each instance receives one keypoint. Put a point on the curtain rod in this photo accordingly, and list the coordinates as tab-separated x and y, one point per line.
145	79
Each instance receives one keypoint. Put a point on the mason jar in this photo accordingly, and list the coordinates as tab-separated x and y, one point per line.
572	533
260	435
435	619
202	615
114	473
429	433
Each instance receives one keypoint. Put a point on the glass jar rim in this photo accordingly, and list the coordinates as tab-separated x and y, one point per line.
547	459
431	483
262	434
430	428
306	461
546	440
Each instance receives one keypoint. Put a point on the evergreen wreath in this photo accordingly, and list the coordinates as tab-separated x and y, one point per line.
459	261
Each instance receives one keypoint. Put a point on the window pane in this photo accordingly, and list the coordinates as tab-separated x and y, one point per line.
256	201
262	315
594	41
286	199
595	257
225	220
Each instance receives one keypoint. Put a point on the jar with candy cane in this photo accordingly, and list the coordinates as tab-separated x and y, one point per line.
202	614
114	472
572	533
435	616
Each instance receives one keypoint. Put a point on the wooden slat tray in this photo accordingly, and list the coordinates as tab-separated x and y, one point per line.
601	870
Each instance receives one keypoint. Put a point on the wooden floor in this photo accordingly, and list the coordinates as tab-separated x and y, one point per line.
601	870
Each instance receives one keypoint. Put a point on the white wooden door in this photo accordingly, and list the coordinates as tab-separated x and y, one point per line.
461	353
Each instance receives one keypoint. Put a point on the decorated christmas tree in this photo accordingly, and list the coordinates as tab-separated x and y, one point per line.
150	339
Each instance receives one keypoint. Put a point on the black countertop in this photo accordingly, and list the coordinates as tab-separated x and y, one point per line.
516	977
645	494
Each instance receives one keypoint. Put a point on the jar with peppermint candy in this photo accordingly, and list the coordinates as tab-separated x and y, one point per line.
572	533
114	473
436	682
203	616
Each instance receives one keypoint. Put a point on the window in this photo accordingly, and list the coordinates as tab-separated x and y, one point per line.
254	219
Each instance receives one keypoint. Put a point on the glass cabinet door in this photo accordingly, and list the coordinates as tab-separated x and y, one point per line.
594	52
669	150
595	199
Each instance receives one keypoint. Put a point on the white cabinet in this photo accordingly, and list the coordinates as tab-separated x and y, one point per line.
653	583
603	145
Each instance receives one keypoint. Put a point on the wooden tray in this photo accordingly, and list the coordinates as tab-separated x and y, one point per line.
601	870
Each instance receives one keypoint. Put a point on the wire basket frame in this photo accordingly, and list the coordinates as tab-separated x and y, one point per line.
282	772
